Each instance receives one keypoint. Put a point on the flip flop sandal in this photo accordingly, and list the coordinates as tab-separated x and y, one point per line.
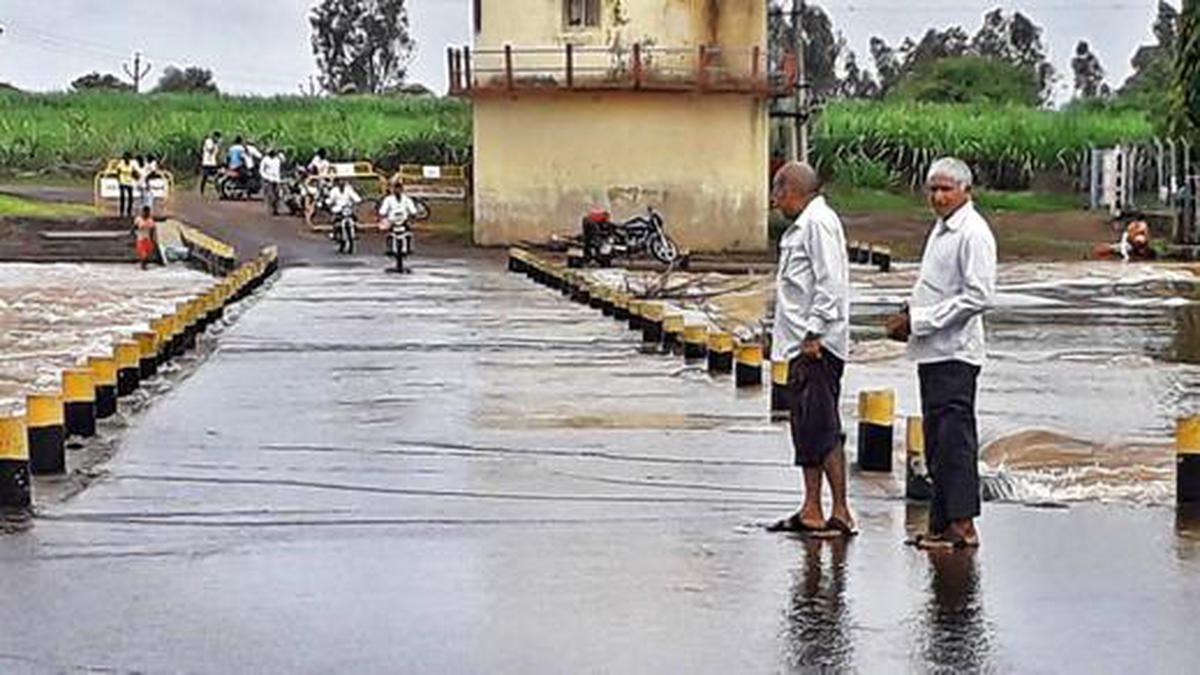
840	528
793	524
945	542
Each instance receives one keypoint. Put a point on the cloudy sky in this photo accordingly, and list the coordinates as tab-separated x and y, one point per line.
261	46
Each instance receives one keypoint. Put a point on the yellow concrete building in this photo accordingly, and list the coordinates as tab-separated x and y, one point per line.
622	104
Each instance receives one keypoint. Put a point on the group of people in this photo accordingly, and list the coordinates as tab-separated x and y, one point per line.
942	324
134	182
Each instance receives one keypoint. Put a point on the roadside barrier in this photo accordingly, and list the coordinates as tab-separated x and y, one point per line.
128	355
621	306
780	396
876	410
917	484
46	433
695	342
672	334
79	402
635	315
147	342
652	324
104	385
1187	460
15	494
720	353
748	371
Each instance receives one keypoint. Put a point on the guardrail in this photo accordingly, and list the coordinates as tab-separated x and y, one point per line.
705	68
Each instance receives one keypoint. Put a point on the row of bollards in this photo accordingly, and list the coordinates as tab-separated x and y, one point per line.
870	254
34	443
666	331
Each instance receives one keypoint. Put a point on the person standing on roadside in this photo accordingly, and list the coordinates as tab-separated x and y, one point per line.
943	325
271	171
812	335
210	162
125	181
144	229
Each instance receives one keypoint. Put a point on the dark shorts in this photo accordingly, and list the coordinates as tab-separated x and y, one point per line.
951	440
814	390
208	171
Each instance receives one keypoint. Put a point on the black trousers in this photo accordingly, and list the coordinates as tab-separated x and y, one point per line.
126	194
951	440
814	389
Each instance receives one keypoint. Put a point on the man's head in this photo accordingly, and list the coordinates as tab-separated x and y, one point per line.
795	185
145	211
948	184
398	187
217	135
321	153
237	140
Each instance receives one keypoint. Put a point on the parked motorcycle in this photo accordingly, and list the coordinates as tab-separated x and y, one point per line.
238	184
604	240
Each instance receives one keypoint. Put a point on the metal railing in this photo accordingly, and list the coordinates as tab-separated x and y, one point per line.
637	67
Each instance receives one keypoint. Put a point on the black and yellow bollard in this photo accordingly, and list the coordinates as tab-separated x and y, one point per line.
178	339
748	371
79	402
47	433
606	302
620	303
128	355
695	342
567	287
635	314
720	353
579	292
147	353
16	498
1187	460
780	396
104	382
596	296
162	331
916	477
187	329
672	334
881	257
515	261
652	325
876	410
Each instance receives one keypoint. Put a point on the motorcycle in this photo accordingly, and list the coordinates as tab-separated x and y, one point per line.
604	240
345	231
399	245
238	184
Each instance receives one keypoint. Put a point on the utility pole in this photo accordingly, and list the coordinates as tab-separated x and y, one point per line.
800	132
138	72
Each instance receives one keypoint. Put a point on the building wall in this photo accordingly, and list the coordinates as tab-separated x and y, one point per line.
541	161
674	23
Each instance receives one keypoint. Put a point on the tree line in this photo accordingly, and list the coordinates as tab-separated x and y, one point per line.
1004	61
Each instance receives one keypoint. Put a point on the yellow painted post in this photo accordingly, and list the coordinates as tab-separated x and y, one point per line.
876	412
79	402
916	481
748	372
720	353
16	498
128	355
104	383
46	433
1187	460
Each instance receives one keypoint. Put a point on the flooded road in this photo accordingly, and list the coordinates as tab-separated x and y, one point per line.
459	471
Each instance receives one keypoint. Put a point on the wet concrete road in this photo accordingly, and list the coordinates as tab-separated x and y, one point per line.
458	471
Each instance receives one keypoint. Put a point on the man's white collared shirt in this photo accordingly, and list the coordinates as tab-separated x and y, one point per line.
812	289
956	286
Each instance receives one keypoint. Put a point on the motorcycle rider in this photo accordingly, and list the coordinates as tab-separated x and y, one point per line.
341	200
235	157
395	213
319	165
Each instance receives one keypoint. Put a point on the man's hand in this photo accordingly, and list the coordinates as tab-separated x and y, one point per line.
899	327
811	347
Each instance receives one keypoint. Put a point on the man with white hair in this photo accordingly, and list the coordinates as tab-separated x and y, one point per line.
812	335
943	325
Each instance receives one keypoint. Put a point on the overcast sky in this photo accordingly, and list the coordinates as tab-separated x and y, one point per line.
262	46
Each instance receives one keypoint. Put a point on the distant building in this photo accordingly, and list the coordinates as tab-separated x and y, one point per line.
622	104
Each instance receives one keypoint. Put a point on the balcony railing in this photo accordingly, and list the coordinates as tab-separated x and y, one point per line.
639	67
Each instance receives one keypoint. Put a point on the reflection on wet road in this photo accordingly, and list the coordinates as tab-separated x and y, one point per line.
458	471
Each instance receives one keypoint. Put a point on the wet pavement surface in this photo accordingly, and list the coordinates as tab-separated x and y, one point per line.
459	471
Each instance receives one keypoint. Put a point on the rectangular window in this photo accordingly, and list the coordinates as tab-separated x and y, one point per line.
582	13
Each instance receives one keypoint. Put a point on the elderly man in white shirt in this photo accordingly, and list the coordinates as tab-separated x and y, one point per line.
944	329
812	334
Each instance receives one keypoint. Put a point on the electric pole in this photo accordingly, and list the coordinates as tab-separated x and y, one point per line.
138	72
799	133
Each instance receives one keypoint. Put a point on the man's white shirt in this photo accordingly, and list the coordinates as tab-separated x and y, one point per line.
271	169
209	153
397	210
343	199
812	289
956	286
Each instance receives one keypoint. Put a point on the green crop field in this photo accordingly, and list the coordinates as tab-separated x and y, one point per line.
76	133
882	145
